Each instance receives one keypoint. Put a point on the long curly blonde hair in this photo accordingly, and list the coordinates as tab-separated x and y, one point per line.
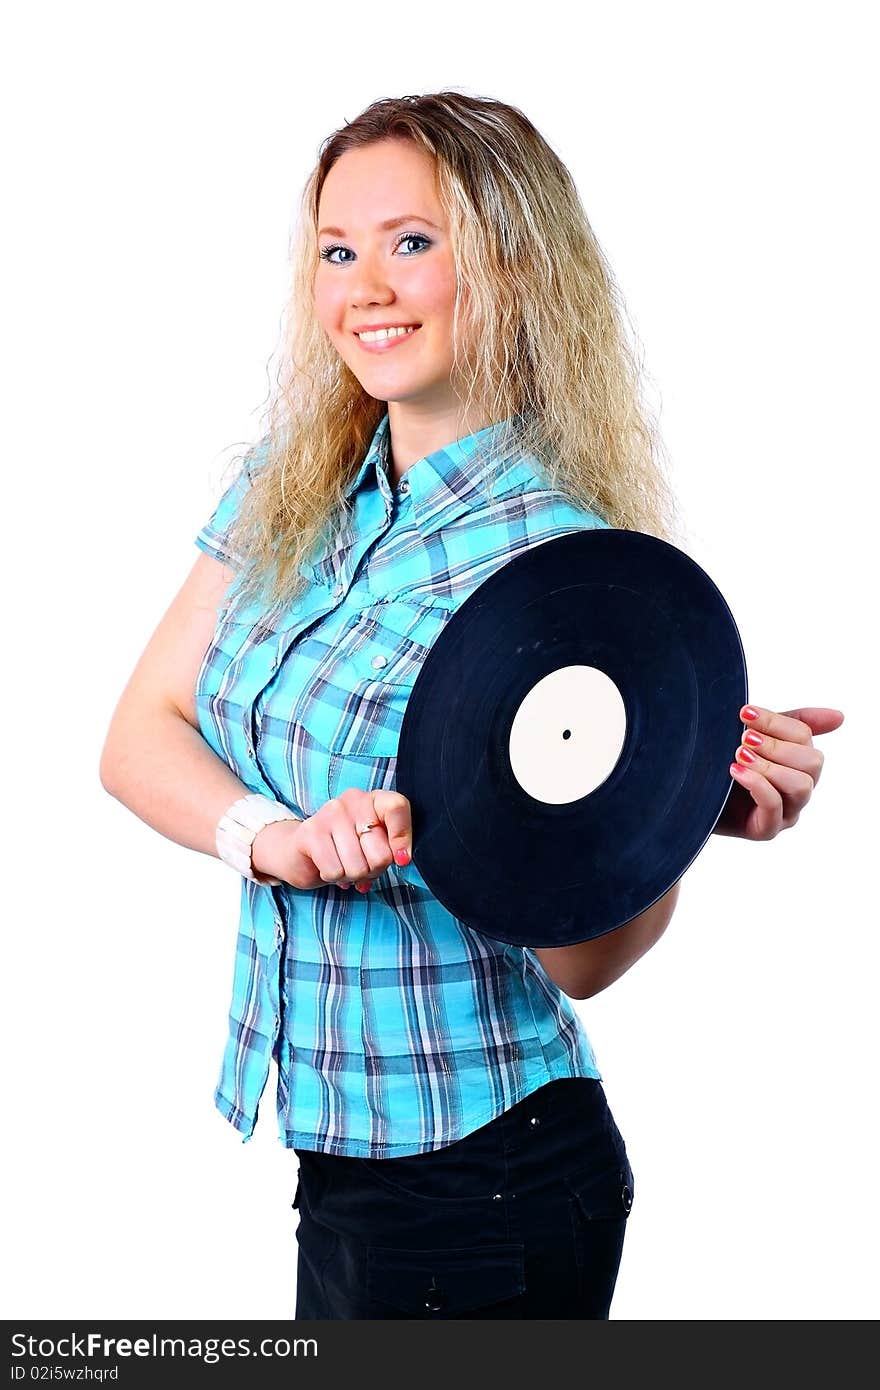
538	335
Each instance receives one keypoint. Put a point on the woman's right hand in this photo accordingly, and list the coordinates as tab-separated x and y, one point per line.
326	848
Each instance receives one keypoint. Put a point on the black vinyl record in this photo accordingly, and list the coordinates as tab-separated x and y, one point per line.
567	743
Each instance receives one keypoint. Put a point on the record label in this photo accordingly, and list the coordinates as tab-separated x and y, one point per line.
566	745
567	734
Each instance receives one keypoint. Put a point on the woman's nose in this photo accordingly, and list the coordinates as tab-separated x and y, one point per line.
372	294
370	286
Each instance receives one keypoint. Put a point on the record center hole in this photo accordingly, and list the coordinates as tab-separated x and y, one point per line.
566	733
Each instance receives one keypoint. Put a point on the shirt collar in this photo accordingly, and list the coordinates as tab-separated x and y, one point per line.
449	478
375	459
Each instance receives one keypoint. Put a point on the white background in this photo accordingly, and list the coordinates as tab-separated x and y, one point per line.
724	157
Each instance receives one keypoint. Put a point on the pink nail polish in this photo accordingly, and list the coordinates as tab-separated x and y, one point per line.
748	712
746	756
736	770
401	856
753	738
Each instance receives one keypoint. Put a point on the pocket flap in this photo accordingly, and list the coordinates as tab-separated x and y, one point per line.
600	1196
388	644
445	1283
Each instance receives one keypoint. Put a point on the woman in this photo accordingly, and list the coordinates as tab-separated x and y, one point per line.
455	387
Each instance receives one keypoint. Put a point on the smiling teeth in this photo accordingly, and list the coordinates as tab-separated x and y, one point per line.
380	333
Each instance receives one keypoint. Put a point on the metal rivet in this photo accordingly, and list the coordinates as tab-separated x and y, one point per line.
435	1299
499	1197
627	1198
534	1121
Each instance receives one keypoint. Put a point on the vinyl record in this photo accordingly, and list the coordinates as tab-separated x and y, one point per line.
566	745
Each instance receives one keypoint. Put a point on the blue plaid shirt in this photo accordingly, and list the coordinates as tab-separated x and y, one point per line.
395	1028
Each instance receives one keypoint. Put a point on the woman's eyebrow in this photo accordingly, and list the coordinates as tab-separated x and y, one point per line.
385	226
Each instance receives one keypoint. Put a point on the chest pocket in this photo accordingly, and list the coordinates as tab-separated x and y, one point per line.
247	644
379	659
221	665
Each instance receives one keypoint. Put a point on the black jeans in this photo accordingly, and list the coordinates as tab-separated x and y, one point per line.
523	1218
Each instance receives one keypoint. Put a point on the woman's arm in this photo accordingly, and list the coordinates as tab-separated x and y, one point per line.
154	759
583	970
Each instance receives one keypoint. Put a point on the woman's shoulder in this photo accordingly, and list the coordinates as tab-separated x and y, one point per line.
540	499
525	485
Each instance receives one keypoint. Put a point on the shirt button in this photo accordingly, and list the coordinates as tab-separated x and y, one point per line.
404	488
378	662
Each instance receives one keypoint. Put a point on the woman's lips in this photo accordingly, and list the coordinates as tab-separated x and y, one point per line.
387	344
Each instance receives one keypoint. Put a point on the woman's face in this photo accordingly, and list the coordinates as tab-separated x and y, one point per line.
371	274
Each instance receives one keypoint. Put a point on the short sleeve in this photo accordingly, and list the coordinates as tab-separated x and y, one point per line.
213	538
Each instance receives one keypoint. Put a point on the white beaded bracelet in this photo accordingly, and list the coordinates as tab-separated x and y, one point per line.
238	828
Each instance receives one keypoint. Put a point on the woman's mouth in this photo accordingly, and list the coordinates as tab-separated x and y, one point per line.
384	339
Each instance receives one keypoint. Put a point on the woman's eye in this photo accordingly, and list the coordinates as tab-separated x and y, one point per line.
328	253
413	236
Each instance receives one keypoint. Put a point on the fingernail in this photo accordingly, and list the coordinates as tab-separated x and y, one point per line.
401	856
748	712
736	770
344	884
746	756
753	738
362	887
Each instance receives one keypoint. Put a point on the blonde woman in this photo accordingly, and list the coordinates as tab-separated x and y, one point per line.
454	387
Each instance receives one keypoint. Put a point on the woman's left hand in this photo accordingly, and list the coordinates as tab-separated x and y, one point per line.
775	771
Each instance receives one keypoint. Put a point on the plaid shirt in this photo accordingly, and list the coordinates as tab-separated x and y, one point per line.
395	1028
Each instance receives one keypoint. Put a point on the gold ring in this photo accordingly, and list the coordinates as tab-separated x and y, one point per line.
370	825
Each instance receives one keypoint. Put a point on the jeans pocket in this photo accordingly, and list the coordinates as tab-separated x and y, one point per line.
467	1282
599	1205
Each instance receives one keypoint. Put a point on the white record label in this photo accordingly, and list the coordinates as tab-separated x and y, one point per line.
567	734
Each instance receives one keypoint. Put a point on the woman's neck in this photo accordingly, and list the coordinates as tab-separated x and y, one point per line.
414	434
